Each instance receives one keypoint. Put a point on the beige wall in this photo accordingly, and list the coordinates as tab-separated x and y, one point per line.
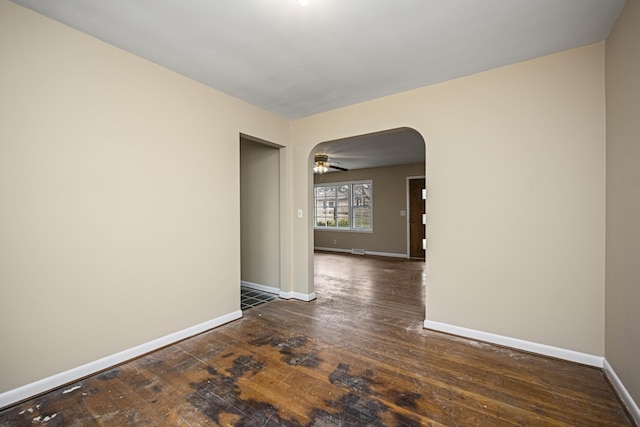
389	198
111	180
623	198
516	174
260	213
119	185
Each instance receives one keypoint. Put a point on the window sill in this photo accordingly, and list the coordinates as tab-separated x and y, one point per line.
344	230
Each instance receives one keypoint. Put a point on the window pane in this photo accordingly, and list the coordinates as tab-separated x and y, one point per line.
361	206
361	217
318	210
325	201
343	194
343	216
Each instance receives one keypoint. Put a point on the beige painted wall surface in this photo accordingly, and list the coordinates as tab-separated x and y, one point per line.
260	213
516	174
389	198
119	223
623	199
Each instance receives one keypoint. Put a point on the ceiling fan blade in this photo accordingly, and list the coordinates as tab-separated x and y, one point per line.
338	167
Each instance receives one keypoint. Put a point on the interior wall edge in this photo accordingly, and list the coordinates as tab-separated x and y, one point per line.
623	394
12	397
518	344
298	295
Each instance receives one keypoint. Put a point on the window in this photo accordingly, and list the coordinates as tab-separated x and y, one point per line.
343	206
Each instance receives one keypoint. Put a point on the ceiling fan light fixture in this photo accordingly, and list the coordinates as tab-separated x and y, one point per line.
320	167
320	163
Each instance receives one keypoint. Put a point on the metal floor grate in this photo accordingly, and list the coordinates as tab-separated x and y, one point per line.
250	297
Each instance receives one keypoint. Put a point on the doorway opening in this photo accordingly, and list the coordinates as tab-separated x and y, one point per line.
383	161
260	257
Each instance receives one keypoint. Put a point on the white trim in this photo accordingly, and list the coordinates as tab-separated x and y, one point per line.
298	296
345	251
387	254
348	251
16	395
268	289
627	400
532	347
345	230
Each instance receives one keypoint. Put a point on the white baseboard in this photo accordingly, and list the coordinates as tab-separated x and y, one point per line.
627	400
281	294
348	251
387	254
16	395
298	296
344	251
532	347
259	287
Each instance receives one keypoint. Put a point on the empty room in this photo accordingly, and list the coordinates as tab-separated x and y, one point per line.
440	197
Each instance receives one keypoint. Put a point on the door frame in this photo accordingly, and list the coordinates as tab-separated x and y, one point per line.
408	211
283	218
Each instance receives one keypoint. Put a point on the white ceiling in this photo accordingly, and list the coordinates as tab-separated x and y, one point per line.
297	61
393	147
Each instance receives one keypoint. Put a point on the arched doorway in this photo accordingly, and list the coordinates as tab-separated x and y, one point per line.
361	203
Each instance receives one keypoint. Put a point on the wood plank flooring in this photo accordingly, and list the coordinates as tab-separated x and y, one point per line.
357	356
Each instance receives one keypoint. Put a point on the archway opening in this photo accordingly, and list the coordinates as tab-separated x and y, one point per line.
361	205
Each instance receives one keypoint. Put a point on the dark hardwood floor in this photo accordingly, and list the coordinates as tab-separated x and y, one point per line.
357	356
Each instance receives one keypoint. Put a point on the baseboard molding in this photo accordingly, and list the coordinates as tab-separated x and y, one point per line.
387	254
343	251
348	251
27	391
259	287
532	347
298	296
623	394
281	294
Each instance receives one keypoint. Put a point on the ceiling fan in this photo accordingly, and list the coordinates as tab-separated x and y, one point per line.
321	164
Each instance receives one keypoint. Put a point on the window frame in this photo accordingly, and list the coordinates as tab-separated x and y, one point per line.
351	210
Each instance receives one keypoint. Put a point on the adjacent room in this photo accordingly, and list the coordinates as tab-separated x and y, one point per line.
365	188
158	158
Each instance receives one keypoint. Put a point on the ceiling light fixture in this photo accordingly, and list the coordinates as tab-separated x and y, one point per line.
320	163
303	2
